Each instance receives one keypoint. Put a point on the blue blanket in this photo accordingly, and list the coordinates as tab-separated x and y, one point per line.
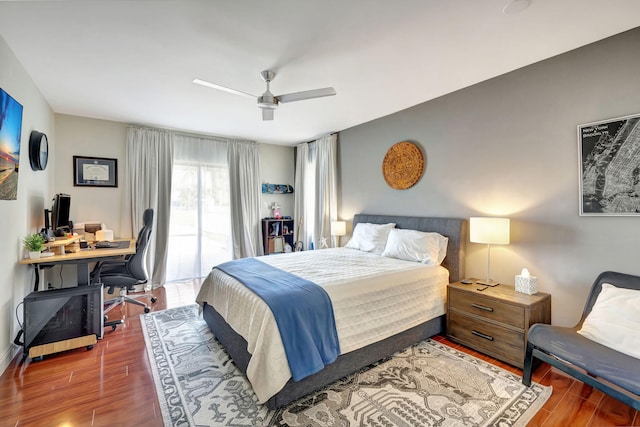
302	310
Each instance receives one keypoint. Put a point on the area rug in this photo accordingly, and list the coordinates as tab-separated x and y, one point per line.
427	384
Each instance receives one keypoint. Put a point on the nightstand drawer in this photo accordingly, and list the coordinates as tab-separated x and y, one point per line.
489	308
495	340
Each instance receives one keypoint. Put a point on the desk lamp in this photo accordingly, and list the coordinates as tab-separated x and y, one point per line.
338	228
491	231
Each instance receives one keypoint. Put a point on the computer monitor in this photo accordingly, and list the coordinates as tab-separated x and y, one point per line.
60	207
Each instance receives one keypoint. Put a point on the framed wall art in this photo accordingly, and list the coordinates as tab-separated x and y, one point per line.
610	166
10	131
95	172
403	165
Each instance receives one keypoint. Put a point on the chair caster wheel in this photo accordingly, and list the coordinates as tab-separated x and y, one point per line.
37	359
154	299
147	309
114	327
90	347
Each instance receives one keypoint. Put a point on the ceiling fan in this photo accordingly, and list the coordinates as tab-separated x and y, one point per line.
268	101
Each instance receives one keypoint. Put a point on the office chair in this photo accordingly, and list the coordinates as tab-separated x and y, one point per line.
127	273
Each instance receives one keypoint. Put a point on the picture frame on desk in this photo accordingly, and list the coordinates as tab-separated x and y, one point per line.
95	172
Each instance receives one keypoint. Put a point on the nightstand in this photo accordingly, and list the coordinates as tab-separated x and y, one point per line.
494	321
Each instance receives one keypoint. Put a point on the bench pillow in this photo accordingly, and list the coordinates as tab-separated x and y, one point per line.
614	320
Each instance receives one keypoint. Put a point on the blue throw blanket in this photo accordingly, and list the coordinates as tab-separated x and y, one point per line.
302	310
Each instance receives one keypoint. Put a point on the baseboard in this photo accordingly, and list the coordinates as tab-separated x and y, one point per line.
7	357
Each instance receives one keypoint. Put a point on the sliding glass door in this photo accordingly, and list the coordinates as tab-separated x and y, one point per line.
200	224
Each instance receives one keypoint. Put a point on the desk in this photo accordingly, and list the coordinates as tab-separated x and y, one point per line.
82	259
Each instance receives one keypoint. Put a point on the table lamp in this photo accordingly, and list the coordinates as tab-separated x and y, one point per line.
338	228
491	231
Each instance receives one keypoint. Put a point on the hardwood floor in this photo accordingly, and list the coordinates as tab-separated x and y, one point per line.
111	385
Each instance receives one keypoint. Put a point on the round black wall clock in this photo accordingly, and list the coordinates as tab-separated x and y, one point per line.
38	150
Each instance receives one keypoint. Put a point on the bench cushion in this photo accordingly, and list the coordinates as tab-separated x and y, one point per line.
614	320
604	362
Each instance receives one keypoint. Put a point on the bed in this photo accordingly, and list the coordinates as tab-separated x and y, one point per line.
353	357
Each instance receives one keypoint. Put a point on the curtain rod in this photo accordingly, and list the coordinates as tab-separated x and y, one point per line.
318	137
197	135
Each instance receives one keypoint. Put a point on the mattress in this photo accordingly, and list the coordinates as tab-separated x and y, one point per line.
373	298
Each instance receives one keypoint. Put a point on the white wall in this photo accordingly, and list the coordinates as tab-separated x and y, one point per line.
24	215
100	138
277	167
81	136
508	147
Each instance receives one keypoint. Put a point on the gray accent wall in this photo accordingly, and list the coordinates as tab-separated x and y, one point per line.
508	147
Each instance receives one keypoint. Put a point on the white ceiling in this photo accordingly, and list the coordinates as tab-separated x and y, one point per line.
134	61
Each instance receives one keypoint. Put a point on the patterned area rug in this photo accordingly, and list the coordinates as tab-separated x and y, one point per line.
428	384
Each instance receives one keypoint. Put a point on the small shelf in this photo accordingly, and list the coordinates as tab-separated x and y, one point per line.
277	235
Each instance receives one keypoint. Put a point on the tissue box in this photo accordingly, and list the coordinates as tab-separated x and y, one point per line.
527	284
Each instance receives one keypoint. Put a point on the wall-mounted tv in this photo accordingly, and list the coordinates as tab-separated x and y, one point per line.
10	131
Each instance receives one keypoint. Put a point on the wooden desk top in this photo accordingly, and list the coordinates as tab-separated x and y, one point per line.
84	254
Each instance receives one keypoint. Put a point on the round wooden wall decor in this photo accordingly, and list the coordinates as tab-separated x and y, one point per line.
403	165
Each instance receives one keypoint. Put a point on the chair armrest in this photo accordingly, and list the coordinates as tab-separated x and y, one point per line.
97	269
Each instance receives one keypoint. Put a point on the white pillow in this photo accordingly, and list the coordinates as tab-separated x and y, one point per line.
614	320
369	237
413	245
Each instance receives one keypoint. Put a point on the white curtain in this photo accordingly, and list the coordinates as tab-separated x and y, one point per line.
304	196
316	189
244	177
199	235
147	184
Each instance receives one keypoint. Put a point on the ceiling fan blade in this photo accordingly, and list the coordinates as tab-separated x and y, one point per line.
307	94
223	88
267	114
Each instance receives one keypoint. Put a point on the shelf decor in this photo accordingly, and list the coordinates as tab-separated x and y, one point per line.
277	189
403	165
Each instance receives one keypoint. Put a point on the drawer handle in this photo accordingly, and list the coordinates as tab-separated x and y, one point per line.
482	307
481	335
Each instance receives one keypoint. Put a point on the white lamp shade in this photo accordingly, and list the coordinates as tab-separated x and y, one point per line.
338	228
493	231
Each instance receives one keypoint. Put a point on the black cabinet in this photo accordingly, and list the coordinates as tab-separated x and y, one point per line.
277	235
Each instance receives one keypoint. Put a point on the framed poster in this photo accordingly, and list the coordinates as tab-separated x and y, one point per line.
95	172
10	131
610	167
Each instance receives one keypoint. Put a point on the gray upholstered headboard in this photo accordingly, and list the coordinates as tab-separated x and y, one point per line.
453	228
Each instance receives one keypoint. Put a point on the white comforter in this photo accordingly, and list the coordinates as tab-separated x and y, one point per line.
373	298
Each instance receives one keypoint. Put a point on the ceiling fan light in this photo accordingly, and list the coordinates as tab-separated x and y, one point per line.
267	101
267	114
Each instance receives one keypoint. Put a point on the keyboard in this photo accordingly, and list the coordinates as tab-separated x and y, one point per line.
103	245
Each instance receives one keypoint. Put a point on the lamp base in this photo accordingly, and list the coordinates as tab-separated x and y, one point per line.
487	283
